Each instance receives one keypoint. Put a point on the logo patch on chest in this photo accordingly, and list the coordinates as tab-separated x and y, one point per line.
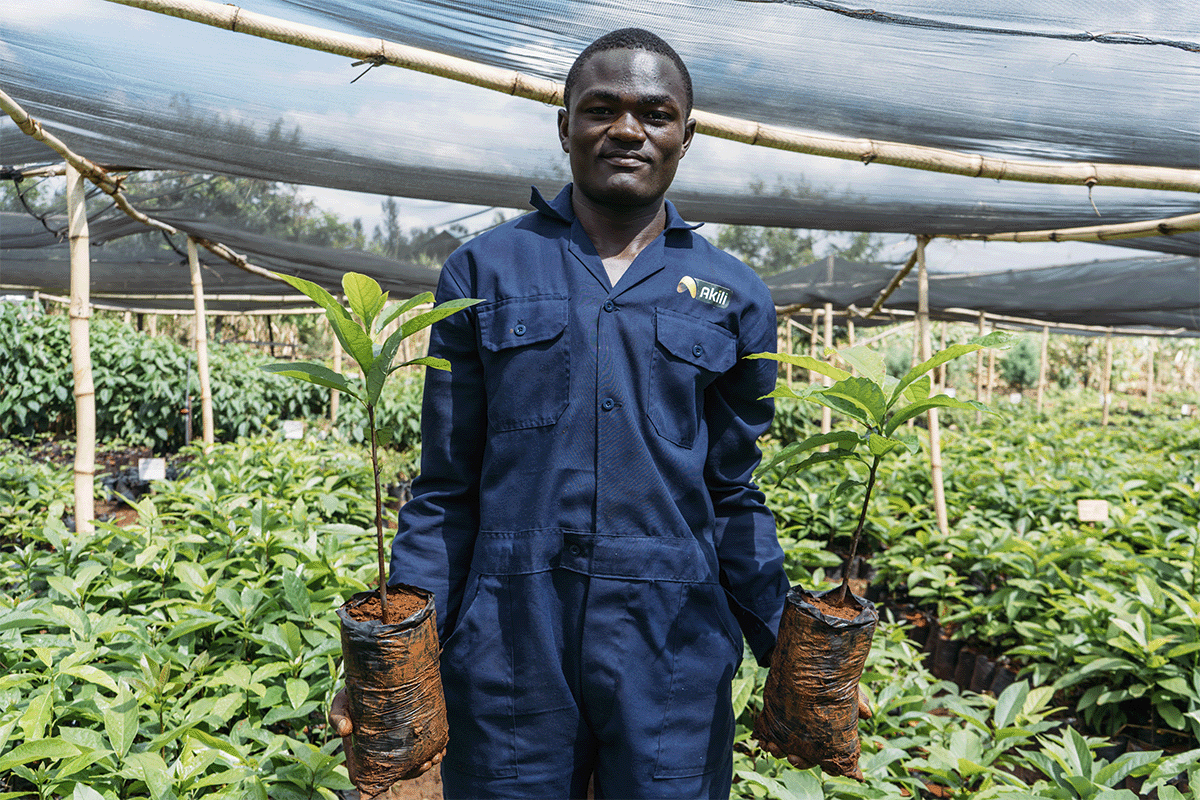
705	292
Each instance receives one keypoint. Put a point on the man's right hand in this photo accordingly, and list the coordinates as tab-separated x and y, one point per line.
339	720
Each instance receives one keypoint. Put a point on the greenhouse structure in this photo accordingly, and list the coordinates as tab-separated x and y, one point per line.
1053	554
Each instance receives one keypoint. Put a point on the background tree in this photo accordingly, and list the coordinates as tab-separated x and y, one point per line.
770	251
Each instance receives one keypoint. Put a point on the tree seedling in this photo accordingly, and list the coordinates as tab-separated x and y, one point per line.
360	328
879	403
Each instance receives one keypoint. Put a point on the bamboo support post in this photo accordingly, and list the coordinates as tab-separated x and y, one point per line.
334	394
893	284
991	376
812	342
1106	381
850	331
826	414
200	337
1150	372
379	51
1043	367
935	436
979	379
81	355
788	328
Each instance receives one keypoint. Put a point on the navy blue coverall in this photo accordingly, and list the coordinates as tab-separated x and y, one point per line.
585	514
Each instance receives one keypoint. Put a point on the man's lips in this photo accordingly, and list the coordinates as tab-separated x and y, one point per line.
624	158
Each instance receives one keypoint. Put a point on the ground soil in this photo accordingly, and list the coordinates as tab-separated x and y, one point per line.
401	606
828	605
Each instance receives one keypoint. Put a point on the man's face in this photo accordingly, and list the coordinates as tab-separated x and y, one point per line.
626	129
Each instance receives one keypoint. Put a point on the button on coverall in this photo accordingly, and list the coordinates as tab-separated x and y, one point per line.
585	514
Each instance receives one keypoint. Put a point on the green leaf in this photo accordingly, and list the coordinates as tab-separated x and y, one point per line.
92	675
882	445
121	721
316	293
918	390
383	436
938	401
85	793
792	450
364	296
857	398
37	750
436	313
312	373
1124	765
807	362
820	458
297	691
867	361
1011	701
354	339
407	305
995	339
426	361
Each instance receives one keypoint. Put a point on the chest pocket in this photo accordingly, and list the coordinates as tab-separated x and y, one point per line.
526	364
689	354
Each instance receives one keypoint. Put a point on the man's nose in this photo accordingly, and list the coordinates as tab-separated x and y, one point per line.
626	127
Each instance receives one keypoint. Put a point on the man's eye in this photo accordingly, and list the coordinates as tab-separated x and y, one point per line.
659	116
598	110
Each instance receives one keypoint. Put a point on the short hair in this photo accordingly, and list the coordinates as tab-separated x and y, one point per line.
628	39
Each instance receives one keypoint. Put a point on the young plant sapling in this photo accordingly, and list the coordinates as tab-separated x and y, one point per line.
810	699
879	403
359	329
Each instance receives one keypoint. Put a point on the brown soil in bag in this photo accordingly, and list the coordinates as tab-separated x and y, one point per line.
394	688
810	701
401	606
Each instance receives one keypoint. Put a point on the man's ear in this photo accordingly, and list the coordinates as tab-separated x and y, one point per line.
689	130
563	130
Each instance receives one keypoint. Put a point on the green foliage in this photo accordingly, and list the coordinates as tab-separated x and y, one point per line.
877	401
769	251
194	652
1019	367
140	383
361	330
925	731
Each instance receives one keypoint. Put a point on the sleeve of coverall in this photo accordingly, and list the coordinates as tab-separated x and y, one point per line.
435	538
748	550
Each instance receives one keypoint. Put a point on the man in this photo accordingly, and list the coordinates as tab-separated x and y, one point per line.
585	514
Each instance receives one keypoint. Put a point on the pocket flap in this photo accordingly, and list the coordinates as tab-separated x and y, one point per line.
696	341
522	320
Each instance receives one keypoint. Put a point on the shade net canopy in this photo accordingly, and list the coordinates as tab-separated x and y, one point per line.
1145	292
1103	80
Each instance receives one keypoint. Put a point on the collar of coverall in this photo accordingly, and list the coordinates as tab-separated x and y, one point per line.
560	208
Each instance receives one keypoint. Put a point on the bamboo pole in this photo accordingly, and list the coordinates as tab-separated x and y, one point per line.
1150	372
334	394
935	436
850	331
868	151
1168	226
991	376
1106	382
200	337
81	355
1043	367
893	284
788	328
979	380
812	343
826	414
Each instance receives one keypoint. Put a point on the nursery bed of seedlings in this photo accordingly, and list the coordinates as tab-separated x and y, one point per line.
192	652
1101	618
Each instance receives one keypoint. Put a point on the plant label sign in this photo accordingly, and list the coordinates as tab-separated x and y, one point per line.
1092	510
293	429
152	469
